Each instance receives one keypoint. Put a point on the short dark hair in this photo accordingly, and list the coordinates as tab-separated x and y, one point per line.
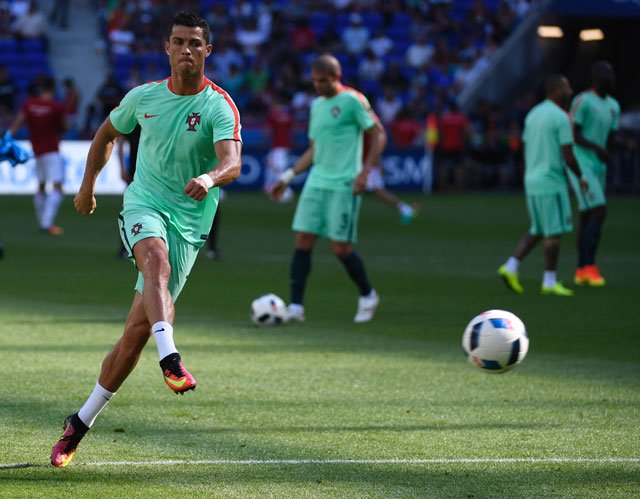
552	82
48	84
190	20
326	63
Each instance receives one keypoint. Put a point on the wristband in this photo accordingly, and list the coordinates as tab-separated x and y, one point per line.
287	176
207	180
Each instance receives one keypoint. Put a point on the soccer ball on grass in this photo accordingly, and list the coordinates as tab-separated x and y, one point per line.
495	341
268	310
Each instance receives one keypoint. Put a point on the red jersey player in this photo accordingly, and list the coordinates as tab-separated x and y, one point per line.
45	119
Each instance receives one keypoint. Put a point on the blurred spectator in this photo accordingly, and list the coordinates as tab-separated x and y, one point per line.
419	53
250	37
303	37
394	77
405	128
71	103
109	95
234	82
92	121
60	13
280	121
329	41
134	78
388	107
453	127
121	39
381	44
217	18
32	24
355	37
8	92
45	120
370	67
301	102
225	57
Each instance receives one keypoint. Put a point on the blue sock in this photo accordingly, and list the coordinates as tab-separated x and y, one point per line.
355	269
300	268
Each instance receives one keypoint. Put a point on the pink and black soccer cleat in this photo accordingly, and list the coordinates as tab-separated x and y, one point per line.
175	375
74	430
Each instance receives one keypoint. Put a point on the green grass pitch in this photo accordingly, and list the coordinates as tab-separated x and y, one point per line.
326	408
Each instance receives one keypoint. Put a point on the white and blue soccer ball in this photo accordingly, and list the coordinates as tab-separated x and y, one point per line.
268	310
495	341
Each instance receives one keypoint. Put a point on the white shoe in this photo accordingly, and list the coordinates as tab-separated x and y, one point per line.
367	307
295	312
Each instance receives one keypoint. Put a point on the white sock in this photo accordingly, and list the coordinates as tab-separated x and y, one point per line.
405	209
97	401
38	204
549	278
296	308
512	265
163	334
51	205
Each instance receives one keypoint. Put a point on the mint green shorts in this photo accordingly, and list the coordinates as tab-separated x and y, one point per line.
550	214
137	222
595	194
330	214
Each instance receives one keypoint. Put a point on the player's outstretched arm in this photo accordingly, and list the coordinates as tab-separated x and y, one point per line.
226	171
99	154
303	163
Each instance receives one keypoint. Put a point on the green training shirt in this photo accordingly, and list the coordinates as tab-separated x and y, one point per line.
546	129
176	145
335	126
597	117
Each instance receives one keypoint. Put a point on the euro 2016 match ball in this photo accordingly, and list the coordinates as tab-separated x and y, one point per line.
268	310
495	341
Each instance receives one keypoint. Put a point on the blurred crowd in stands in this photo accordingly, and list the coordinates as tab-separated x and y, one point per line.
411	58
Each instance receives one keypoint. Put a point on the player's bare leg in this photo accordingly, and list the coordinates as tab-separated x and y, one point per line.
407	212
152	258
50	210
116	367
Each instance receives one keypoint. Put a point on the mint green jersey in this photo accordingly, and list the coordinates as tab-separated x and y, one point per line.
597	117
546	129
335	126
176	145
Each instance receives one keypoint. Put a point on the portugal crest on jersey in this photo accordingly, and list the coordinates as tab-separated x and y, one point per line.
335	110
192	121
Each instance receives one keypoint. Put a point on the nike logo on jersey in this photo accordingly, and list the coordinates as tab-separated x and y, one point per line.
147	116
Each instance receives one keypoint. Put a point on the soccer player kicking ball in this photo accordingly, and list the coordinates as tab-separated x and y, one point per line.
595	116
548	141
330	202
189	146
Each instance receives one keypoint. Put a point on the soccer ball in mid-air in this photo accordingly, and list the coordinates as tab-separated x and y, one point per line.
268	310
495	341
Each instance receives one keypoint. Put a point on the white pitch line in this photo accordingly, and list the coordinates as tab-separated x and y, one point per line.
367	461
516	460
